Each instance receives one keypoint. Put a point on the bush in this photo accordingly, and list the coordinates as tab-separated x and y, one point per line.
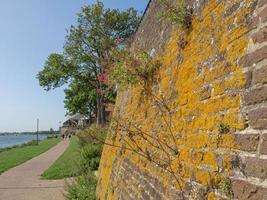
83	189
224	129
93	135
90	157
85	185
132	68
176	12
52	136
225	187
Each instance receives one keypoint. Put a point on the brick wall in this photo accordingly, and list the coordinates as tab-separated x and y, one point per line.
251	171
214	74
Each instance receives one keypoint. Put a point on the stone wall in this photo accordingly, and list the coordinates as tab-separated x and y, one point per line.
213	74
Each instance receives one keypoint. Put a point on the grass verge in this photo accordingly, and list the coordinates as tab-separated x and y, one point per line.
66	165
84	185
16	156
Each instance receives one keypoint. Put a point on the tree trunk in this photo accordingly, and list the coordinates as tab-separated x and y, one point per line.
103	113
101	116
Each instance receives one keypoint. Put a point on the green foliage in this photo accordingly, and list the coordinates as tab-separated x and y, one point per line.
52	136
93	135
86	55
57	71
132	68
176	12
90	157
225	187
83	189
224	129
79	100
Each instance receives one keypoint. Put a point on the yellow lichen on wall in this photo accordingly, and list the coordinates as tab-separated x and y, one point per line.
201	85
109	154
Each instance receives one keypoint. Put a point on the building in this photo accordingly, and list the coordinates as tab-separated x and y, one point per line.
74	124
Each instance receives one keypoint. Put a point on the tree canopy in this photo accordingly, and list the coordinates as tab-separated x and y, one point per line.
86	56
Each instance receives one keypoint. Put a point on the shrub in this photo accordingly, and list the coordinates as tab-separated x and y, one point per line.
176	12
52	136
90	157
85	185
89	135
224	129
83	189
132	68
225	187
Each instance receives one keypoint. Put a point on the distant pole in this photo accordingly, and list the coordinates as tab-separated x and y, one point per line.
37	133
59	127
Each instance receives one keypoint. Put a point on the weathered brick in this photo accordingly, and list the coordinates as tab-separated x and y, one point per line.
255	167
260	75
236	161
156	196
248	191
249	77
258	118
187	188
247	142
256	96
254	57
262	3
124	195
263	147
144	195
263	15
150	190
260	36
253	22
159	185
205	93
232	9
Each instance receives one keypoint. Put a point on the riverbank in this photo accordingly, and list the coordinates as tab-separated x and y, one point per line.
31	143
17	155
10	140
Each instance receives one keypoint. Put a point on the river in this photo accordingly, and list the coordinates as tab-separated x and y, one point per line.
10	140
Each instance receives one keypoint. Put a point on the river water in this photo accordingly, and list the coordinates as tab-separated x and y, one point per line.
10	140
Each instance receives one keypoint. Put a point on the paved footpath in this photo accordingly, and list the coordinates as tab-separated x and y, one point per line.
24	181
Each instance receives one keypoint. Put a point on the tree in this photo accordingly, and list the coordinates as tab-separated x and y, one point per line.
80	99
87	55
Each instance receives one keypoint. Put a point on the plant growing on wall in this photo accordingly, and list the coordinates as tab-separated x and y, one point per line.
159	146
133	68
163	153
224	129
225	187
176	12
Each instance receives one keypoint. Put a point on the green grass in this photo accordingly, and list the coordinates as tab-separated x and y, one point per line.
66	165
16	156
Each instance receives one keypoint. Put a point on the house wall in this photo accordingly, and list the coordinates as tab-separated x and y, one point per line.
214	74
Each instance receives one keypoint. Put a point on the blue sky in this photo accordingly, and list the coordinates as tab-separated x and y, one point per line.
29	31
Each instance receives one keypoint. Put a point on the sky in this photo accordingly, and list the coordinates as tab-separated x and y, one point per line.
29	31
